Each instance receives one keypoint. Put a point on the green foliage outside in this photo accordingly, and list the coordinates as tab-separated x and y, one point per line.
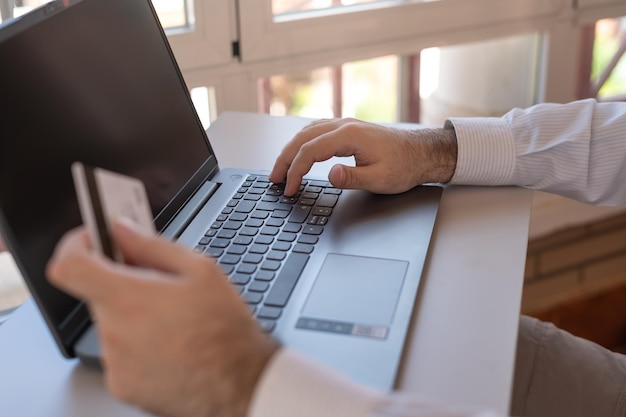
604	49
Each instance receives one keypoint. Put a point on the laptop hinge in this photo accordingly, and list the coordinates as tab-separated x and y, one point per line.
191	208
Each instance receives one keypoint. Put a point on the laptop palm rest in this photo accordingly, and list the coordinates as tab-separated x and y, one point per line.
354	295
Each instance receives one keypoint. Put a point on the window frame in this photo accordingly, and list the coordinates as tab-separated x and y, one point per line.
208	42
442	21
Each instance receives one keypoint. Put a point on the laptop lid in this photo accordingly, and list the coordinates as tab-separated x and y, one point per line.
93	81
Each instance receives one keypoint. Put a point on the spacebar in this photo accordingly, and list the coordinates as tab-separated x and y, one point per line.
286	280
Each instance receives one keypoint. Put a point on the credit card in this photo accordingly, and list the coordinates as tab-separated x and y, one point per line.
103	197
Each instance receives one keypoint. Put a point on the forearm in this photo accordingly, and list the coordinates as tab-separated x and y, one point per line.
576	150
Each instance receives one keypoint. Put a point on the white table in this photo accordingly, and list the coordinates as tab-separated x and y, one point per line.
461	346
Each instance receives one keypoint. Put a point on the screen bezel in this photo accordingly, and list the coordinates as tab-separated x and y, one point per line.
68	331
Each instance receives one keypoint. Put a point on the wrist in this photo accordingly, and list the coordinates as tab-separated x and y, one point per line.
440	147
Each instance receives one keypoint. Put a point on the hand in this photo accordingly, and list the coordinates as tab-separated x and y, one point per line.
177	339
387	160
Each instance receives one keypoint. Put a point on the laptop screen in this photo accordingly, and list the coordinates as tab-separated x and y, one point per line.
94	82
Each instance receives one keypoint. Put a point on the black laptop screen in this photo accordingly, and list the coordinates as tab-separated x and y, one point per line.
93	82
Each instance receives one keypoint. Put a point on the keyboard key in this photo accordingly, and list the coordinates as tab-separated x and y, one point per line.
282	246
276	255
303	248
258	286
308	239
245	207
253	258
292	228
273	206
313	189
252	297
267	326
299	214
240	279
254	223
322	211
230	259
252	197
286	280
214	252
269	313
236	249
327	200
219	243
246	268
238	217
226	234
232	225
335	191
312	230
269	230
248	231
280	214
265	275
204	241
270	198
259	248
260	214
242	240
270	266
222	217
210	233
228	269
274	222
264	240
287	237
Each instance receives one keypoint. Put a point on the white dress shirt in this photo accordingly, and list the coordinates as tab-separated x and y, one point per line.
577	150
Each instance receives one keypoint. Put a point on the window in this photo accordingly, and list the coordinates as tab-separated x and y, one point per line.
173	13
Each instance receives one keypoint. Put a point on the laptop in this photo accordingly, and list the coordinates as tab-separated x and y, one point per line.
331	273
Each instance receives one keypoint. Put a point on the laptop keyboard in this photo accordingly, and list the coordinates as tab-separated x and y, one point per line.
263	240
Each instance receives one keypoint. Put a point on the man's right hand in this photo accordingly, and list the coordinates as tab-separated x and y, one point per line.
387	160
177	339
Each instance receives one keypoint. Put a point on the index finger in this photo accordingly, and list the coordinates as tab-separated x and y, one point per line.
289	153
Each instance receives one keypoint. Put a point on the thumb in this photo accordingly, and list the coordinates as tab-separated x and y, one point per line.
342	176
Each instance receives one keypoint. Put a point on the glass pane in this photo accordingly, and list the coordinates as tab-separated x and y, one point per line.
363	89
370	89
172	13
204	101
610	42
454	82
282	7
307	94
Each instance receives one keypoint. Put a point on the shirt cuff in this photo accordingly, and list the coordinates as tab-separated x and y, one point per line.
486	151
292	385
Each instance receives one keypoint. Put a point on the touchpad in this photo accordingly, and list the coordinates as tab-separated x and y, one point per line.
354	295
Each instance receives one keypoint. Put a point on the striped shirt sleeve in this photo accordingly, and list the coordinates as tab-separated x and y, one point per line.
576	150
293	385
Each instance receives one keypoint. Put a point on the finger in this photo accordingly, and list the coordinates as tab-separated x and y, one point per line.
324	147
149	250
77	269
356	178
309	132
